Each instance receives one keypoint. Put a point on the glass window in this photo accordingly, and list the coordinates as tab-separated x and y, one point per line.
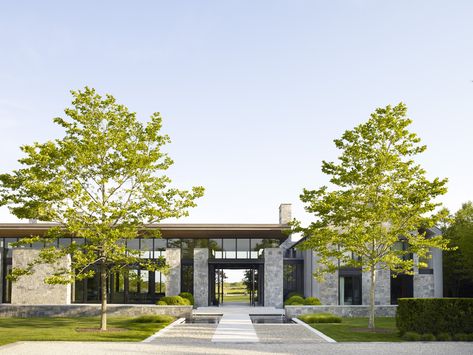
133	280
160	282
256	248
187	278
215	246
144	278
243	248
133	244
187	249
229	248
174	243
350	289
146	248
64	242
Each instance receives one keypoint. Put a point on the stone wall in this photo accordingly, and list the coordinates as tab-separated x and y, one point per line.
173	278
75	310
201	277
328	289
31	289
342	311
424	285
382	290
273	277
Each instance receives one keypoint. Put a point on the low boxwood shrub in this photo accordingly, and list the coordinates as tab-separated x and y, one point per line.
161	303
411	336
292	294
312	301
153	318
320	318
435	315
294	301
187	296
175	301
427	337
444	336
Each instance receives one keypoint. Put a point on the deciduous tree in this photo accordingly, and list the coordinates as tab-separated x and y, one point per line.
103	181
378	195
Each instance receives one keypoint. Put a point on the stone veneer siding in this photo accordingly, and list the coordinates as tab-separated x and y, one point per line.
201	277
31	289
423	285
173	278
342	311
329	289
273	277
88	310
382	294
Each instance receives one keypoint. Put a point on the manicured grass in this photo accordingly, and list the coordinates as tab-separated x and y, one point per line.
21	329
349	330
236	298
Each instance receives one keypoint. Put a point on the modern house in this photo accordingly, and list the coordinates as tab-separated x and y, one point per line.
197	255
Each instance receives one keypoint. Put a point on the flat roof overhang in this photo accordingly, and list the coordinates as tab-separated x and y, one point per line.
202	230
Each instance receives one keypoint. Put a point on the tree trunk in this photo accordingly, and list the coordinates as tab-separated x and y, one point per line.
371	324
103	309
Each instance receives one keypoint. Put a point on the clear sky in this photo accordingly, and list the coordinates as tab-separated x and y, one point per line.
252	92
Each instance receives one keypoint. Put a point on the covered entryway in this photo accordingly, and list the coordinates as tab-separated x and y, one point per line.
253	281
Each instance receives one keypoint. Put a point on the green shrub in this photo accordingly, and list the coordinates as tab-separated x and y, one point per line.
469	337
444	337
435	315
312	301
320	318
460	337
292	294
175	301
411	336
294	301
161	303
187	296
153	318
427	337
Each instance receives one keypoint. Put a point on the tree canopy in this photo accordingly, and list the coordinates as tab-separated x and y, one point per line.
103	181
378	195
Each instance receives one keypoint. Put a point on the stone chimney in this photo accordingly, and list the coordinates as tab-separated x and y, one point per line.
285	213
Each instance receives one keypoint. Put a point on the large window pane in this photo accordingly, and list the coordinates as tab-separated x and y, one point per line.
243	248
229	248
146	248
215	246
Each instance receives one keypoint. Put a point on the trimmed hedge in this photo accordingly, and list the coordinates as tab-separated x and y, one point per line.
187	296
439	316
174	301
153	318
294	301
312	301
320	318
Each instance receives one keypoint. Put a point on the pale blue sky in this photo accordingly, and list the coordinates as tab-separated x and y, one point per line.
252	92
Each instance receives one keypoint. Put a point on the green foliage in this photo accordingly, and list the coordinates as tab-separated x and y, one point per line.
320	318
153	318
188	296
412	336
461	337
427	337
290	294
103	181
435	315
174	301
458	263
312	301
161	303
379	195
444	337
294	301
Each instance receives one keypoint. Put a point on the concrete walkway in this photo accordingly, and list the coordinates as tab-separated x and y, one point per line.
235	326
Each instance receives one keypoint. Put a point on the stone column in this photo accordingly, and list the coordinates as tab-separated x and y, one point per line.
31	289
423	283
201	277
382	294
273	277
328	289
173	278
437	266
285	213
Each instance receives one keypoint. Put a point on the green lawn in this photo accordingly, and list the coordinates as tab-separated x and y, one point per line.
347	330
236	298
17	329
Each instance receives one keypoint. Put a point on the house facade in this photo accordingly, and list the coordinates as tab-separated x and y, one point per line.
198	255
